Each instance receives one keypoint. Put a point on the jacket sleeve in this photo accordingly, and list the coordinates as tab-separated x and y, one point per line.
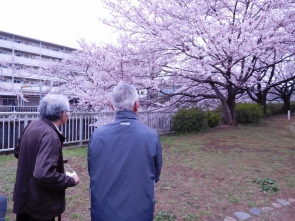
158	160
16	149
47	160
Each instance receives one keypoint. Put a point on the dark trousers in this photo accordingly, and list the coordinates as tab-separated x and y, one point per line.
27	217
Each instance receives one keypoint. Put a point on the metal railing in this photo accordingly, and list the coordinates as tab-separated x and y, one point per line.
7	108
78	128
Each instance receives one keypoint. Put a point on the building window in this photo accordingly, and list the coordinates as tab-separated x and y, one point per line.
2	38
18	67
9	100
18	41
18	54
3	52
17	81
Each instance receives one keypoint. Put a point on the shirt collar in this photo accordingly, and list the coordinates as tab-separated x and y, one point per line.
56	127
126	114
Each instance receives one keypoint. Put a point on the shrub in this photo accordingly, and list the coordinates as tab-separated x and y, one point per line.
248	113
213	118
275	108
189	120
267	185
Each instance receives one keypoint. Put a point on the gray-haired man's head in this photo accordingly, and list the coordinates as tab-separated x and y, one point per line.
124	97
52	106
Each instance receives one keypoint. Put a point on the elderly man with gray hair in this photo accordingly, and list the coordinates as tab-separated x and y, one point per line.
39	191
124	163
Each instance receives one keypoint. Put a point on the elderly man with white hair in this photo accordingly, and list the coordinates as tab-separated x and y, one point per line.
124	163
39	192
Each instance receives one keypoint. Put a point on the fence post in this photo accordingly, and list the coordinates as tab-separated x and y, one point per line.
26	121
80	130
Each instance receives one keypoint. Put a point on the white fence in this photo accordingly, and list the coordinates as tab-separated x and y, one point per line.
7	108
78	128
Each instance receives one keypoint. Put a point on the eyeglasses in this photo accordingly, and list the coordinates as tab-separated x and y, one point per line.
68	112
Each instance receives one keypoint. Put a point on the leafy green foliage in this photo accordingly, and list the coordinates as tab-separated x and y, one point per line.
164	216
189	120
249	113
213	118
275	108
267	185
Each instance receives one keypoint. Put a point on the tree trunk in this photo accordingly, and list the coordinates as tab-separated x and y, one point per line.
287	104
261	99
228	104
226	116
229	110
265	114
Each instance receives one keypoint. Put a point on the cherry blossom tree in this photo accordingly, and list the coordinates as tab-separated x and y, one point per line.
210	49
91	73
279	81
284	92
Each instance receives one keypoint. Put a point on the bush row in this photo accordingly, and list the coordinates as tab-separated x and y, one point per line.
248	113
195	119
277	108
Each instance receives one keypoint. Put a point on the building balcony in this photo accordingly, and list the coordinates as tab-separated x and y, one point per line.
19	74
5	44
34	49
6	57
27	61
19	60
51	53
6	84
26	48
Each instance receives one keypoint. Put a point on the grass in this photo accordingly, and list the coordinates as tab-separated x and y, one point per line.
205	176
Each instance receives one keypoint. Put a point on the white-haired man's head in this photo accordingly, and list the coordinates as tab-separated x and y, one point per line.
125	97
52	106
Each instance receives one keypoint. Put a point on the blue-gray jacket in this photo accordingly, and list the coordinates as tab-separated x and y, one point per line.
124	162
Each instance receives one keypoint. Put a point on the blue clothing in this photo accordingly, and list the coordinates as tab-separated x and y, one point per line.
3	207
124	162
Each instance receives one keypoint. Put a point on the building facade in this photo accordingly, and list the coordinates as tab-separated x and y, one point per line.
20	51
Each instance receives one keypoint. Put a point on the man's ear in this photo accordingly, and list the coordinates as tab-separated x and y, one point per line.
136	106
112	106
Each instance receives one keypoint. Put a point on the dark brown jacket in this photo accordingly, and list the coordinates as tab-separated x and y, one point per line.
40	180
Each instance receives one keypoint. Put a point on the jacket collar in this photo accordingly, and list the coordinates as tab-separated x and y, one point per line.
50	123
126	114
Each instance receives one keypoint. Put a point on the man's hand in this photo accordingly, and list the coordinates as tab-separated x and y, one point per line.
76	179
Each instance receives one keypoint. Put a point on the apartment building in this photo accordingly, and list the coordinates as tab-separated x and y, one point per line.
22	52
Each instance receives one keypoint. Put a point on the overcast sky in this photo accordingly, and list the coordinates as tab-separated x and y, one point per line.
57	21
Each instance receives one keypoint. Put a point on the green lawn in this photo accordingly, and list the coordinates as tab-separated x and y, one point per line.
205	176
